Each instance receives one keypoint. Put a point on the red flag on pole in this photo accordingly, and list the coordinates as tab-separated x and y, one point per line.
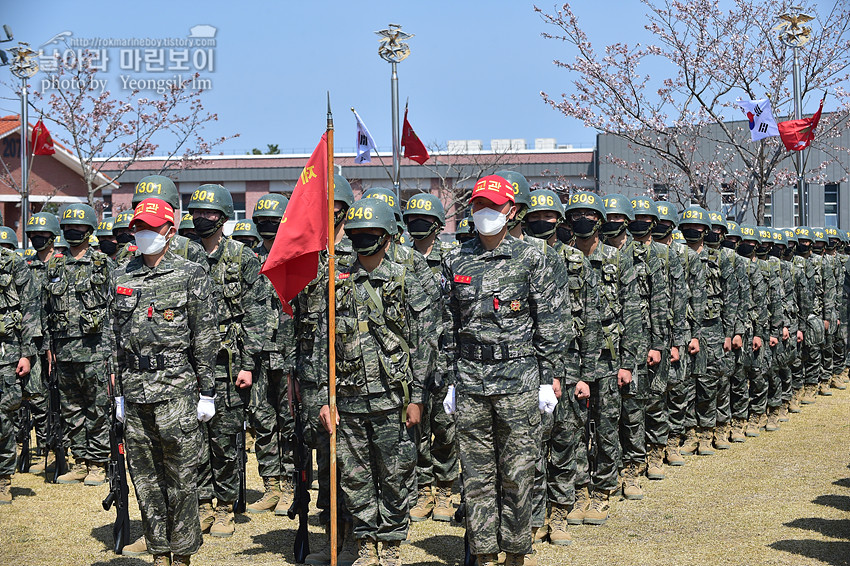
42	143
294	258
414	149
797	135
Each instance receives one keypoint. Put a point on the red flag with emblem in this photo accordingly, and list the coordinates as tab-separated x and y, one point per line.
42	143
303	232
414	149
797	135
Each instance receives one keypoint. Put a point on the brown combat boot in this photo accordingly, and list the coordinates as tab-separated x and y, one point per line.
76	474
671	451
558	534
424	504
443	509
631	482
655	462
512	559
321	557
223	526
206	513
5	490
706	438
845	375
580	507
44	464
180	560
367	553
487	559
96	475
783	412
823	389
738	426
270	498
138	548
794	403
721	436
162	559
772	423
809	393
837	383
689	445
391	553
752	430
287	495
597	513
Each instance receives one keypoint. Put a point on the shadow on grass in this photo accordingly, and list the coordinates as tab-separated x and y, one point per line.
842	483
832	528
104	532
22	492
279	542
835	553
447	548
840	502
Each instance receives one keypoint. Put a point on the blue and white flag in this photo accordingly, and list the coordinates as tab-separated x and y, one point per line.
760	117
365	143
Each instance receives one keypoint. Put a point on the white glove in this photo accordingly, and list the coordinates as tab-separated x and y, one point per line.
546	399
119	408
206	408
450	402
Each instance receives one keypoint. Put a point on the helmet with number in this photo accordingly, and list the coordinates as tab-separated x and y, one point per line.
370	213
820	236
544	199
667	211
522	190
790	235
271	205
156	186
388	196
8	238
765	234
585	200
778	237
342	190
122	220
833	237
105	227
678	238
30	253
43	222
425	204
749	233
245	229
59	242
645	205
695	215
717	219
732	229
212	197
464	227
804	233
78	213
618	204
93	241
186	223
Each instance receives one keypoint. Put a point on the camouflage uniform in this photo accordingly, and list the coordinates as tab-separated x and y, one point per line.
504	344
37	382
830	285
179	245
771	269
166	331
809	292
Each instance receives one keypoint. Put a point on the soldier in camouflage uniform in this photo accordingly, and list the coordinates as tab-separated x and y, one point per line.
245	232
809	292
780	383
437	457
830	311
242	316
123	235
167	339
840	340
105	239
270	414
504	346
77	307
8	239
837	326
464	231
20	331
381	369
187	228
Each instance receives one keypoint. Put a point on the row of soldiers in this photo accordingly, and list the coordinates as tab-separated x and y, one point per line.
657	350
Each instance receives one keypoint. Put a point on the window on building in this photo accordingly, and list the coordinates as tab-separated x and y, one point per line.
768	210
830	205
797	208
661	191
729	207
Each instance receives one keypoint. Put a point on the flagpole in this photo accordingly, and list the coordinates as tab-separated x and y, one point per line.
332	332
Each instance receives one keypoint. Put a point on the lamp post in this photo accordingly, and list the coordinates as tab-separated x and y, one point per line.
794	35
394	51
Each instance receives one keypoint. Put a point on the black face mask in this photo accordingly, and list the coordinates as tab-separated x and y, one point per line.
541	228
661	231
565	235
692	235
41	242
366	244
75	237
817	249
268	228
108	247
746	249
640	228
729	244
762	251
125	238
464	237
612	229
192	236
713	237
776	251
206	227
802	249
584	227
421	228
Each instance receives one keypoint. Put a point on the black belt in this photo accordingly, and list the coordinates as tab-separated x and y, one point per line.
148	363
497	352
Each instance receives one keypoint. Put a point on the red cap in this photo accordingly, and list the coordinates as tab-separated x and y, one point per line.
494	188
153	211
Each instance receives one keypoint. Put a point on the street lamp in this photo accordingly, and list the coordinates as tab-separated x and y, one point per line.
394	51
795	35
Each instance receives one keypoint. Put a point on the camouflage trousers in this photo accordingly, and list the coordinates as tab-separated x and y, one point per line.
10	401
604	410
839	356
645	392
162	442
827	355
708	366
376	455
806	368
272	422
678	392
85	409
748	384
565	439
775	387
436	450
539	496
37	394
219	450
498	453
656	420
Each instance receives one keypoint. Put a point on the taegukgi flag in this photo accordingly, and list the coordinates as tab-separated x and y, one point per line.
760	116
365	143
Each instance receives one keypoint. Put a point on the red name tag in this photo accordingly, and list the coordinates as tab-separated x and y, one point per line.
124	291
344	275
132	248
467	279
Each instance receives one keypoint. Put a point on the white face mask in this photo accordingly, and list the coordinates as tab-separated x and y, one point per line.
150	242
489	222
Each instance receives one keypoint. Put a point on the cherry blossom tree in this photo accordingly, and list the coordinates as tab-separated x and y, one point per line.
681	125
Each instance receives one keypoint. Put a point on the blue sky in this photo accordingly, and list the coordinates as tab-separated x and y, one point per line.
475	72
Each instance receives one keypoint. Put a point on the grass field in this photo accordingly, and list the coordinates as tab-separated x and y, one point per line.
782	498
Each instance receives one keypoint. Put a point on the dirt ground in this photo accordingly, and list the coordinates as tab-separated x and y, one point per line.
782	498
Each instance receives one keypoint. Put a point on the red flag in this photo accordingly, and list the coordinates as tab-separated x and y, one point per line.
42	143
294	258
414	149
797	135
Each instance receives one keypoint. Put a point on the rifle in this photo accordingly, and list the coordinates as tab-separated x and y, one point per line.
25	422
469	559
301	475
116	472
55	441
590	432
241	464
